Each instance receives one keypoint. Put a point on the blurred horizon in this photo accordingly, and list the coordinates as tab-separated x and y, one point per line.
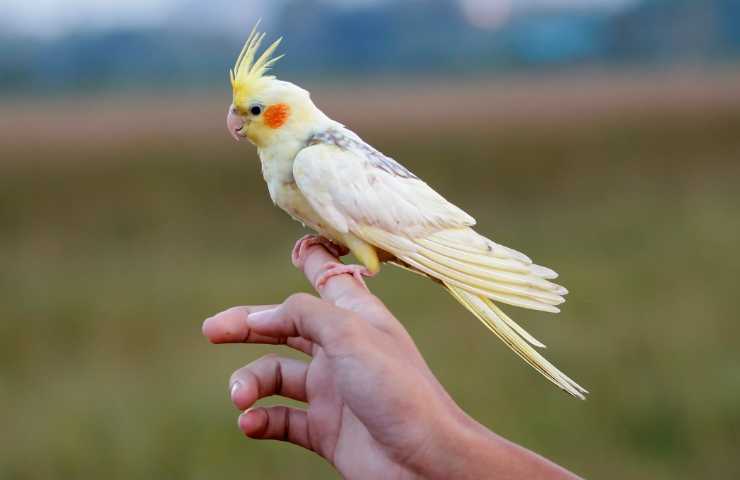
83	45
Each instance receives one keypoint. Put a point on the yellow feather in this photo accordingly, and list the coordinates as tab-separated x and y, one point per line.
511	336
365	253
505	281
249	74
475	277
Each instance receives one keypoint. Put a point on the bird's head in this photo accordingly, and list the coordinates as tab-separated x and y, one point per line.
264	109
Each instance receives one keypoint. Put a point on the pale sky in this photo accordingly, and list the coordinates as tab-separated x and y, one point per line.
52	17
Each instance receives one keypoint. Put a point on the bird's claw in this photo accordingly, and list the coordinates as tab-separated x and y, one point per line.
332	269
298	256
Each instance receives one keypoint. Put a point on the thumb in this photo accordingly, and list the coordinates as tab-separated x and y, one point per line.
300	315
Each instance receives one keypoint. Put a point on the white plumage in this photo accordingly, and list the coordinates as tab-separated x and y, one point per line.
325	176
404	216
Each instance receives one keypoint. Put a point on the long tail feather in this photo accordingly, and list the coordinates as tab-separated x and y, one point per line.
511	334
477	271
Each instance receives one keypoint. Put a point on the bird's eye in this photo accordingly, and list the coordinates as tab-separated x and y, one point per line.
255	110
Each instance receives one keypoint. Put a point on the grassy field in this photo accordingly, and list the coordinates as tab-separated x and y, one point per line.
117	239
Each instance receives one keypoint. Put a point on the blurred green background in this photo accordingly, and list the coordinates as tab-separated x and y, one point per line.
127	216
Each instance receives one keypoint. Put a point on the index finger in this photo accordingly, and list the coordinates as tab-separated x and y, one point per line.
308	317
230	326
341	290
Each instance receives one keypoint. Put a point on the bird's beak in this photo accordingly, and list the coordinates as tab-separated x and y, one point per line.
236	124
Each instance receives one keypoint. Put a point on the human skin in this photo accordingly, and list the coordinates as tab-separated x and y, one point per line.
374	408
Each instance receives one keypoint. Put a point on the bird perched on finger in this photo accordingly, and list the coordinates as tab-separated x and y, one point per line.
361	201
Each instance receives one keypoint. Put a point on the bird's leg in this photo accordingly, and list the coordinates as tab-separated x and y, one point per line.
299	250
365	253
332	269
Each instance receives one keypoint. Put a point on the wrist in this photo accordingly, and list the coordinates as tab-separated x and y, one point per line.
451	447
464	449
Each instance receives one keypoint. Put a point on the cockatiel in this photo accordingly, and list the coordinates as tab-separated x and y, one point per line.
361	201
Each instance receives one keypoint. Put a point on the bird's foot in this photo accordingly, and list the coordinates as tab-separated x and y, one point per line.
332	269
298	256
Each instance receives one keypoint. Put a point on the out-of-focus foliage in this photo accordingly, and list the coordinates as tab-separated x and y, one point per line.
114	247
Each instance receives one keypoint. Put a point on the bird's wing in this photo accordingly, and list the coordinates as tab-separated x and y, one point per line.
352	188
358	190
381	202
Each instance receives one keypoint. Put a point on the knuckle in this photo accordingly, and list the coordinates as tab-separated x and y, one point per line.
298	300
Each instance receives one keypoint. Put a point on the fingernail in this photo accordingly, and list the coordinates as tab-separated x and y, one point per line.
204	328
242	422
258	319
248	421
234	387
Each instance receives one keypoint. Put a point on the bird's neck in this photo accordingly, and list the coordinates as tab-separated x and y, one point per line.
283	146
278	156
277	162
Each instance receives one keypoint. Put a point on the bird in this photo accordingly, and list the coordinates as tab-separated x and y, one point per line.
360	201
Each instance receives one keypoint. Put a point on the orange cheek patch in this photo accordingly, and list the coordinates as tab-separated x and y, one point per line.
277	115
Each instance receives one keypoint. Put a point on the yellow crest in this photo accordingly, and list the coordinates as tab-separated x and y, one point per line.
248	73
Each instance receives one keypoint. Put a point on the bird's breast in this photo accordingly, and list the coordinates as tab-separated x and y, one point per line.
288	197
277	171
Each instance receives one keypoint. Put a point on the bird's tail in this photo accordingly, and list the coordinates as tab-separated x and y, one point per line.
515	337
477	272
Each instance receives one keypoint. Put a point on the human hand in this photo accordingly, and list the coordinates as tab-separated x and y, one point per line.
374	408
